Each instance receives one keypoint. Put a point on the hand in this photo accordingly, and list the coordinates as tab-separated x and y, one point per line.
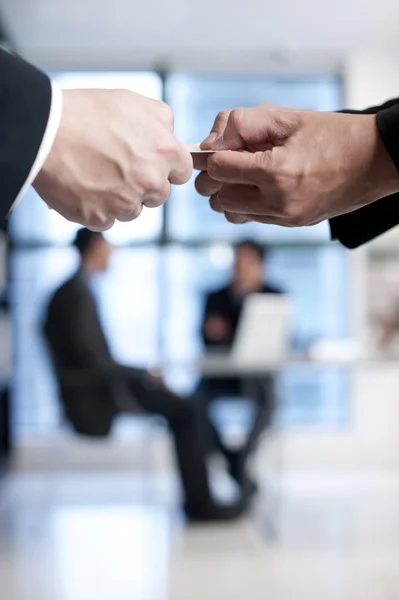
156	380
293	168
114	153
216	328
389	325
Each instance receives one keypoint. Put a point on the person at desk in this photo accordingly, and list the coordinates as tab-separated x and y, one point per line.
79	349
221	318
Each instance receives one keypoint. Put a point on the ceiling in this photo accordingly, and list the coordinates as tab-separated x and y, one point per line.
119	32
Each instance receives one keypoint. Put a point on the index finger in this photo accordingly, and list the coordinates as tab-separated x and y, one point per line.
200	161
183	167
245	167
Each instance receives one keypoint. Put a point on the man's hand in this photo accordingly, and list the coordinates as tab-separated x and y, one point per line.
217	328
114	153
293	168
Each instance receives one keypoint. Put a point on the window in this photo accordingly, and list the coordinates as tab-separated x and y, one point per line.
151	300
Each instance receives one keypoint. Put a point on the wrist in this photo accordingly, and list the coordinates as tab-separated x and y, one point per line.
380	172
51	137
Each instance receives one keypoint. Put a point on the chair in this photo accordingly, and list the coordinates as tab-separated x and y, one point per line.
90	406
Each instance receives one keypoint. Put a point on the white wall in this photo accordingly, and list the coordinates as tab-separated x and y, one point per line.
371	78
372	438
121	31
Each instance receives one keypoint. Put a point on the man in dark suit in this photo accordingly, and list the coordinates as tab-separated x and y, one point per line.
92	155
222	313
91	382
295	168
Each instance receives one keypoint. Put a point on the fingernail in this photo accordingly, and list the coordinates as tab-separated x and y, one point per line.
212	137
215	203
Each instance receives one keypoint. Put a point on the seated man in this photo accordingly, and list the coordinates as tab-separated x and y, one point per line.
221	317
80	350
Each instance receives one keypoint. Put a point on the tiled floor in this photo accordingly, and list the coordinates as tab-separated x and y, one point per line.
114	536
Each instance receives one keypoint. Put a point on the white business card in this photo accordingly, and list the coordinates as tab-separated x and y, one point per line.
196	149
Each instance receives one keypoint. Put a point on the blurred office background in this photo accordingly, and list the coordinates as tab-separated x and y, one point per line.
82	520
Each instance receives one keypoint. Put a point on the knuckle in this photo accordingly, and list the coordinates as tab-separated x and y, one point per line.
269	168
165	113
151	181
213	166
303	219
223	115
214	203
267	107
164	195
294	213
169	148
158	198
264	168
130	215
224	195
136	211
122	96
183	162
236	118
236	218
100	222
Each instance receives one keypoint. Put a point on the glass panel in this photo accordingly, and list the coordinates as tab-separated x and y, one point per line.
188	274
33	222
196	100
313	396
128	300
34	275
313	276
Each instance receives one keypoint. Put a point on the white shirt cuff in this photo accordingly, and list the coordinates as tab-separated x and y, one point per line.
53	124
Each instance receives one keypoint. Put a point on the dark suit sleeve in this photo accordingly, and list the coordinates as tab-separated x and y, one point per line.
25	102
359	227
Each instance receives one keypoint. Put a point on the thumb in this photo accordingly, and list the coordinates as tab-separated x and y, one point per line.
217	130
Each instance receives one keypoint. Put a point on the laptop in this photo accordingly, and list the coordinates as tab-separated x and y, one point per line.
262	340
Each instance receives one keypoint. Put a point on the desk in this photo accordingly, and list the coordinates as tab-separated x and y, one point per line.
225	365
222	365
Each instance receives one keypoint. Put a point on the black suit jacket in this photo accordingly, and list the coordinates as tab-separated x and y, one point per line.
90	380
360	226
25	102
224	303
73	328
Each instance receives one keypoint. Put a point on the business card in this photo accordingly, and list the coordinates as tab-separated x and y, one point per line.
196	149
